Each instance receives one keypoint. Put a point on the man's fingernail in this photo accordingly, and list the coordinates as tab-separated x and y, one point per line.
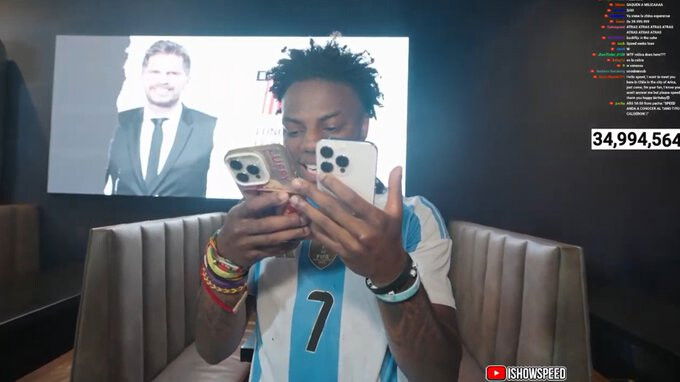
295	200
283	196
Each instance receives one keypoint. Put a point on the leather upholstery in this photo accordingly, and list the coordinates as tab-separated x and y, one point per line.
521	300
137	309
189	366
19	241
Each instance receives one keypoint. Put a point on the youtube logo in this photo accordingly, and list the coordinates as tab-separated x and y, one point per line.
495	373
526	373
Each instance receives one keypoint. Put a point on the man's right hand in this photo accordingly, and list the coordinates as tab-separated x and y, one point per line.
249	235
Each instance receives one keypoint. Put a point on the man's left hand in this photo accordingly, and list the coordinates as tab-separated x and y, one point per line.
367	239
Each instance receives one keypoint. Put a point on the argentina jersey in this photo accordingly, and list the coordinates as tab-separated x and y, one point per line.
319	322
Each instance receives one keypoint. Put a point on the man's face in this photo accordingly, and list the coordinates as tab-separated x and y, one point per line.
164	79
317	109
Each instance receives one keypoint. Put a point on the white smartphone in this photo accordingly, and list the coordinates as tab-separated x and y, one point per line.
353	162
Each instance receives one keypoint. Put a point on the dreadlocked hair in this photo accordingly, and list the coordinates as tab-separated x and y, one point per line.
331	62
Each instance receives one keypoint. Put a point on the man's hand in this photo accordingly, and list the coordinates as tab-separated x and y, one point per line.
367	238
249	235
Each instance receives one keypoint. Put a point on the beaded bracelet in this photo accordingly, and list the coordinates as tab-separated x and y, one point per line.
219	263
220	282
214	287
220	266
224	283
223	263
212	264
212	244
230	278
220	303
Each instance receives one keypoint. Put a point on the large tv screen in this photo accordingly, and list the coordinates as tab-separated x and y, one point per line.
101	93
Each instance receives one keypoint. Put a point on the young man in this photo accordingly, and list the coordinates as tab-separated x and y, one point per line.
317	318
163	148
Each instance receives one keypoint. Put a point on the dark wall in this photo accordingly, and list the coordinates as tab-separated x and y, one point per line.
500	108
3	99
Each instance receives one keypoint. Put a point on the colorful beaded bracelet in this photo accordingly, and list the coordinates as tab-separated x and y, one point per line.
218	289
226	276
220	303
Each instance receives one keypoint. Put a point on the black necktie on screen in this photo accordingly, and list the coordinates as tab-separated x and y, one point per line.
155	152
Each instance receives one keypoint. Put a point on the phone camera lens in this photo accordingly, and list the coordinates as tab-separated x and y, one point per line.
326	152
252	169
242	177
236	165
342	161
326	167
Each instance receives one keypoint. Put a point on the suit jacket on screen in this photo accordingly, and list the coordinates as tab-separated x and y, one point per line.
185	170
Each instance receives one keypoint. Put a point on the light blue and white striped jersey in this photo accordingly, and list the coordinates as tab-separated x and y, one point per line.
324	324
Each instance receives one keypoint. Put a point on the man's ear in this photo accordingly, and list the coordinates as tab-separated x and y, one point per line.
364	127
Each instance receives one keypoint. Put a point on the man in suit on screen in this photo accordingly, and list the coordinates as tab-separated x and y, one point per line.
163	148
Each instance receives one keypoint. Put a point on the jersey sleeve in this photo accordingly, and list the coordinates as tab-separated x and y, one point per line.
253	278
426	239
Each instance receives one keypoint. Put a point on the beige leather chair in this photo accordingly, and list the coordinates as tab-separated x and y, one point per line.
521	300
137	310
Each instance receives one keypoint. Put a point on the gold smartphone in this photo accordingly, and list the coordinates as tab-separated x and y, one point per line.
258	169
261	168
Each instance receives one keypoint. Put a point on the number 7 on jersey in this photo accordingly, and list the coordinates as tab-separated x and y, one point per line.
327	300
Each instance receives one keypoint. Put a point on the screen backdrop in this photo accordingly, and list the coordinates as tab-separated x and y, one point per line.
227	80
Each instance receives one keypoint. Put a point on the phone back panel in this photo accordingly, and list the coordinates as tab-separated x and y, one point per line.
274	168
352	162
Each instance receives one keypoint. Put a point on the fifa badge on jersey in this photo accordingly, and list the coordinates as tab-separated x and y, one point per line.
320	257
